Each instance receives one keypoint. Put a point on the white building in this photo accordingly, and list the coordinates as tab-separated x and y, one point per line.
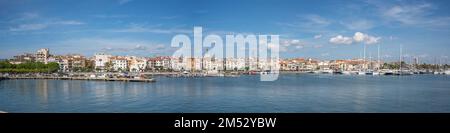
42	55
138	65
100	60
119	64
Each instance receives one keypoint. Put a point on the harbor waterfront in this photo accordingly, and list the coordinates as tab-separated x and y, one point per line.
305	92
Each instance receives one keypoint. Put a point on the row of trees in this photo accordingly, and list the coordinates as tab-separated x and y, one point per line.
396	65
29	67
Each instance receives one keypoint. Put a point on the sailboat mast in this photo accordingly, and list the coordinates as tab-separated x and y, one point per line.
401	59
364	56
378	53
378	60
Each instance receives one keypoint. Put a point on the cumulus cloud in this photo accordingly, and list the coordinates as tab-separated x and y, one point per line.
290	45
361	37
295	43
357	38
372	40
341	40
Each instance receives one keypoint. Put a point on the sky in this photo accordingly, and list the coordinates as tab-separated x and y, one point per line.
325	29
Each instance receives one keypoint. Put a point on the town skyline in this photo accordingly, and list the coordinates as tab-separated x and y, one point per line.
126	27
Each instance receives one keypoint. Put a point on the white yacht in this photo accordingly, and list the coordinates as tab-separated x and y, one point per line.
346	72
369	72
375	73
327	71
361	73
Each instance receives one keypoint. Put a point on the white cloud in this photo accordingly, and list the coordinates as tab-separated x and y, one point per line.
136	28
308	23
119	46
121	2
286	43
357	37
406	14
106	16
318	46
341	40
170	17
28	27
359	25
27	16
325	54
291	44
361	37
373	40
316	19
419	15
295	41
423	55
68	22
318	36
40	26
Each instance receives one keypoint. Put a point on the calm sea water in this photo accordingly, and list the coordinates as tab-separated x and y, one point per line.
290	93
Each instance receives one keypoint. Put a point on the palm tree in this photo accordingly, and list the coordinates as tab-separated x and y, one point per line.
108	66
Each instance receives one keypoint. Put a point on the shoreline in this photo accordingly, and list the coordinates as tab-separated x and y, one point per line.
115	76
84	78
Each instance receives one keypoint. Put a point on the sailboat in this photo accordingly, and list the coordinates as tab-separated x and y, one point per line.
401	71
362	70
377	72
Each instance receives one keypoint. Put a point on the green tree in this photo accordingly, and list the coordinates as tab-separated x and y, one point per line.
108	66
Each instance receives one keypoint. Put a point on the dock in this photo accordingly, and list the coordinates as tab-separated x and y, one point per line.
87	78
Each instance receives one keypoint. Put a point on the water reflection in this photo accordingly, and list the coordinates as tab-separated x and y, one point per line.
291	93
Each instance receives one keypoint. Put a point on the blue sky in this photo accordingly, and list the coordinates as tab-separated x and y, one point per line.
322	29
